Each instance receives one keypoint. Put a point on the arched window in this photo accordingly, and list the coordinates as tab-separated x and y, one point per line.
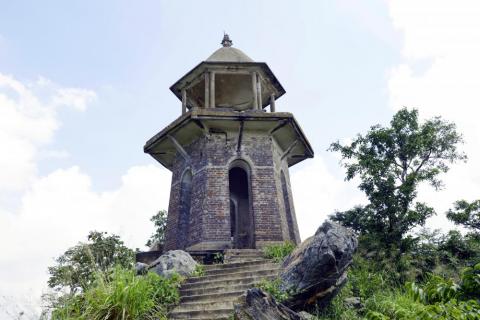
288	211
241	217
184	210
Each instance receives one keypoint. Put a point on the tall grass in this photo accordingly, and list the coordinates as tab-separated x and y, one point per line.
384	298
122	296
278	252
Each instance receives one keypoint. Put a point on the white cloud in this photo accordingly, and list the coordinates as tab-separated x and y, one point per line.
28	121
318	192
60	209
447	34
57	210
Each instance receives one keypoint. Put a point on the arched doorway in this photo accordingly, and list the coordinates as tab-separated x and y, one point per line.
241	217
184	214
288	211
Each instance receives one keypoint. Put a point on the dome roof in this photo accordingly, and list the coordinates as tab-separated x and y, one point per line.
229	54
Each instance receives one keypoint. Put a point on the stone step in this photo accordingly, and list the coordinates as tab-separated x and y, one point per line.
211	314
204	306
242	251
244	268
241	260
230	295
232	275
217	289
226	283
236	264
244	254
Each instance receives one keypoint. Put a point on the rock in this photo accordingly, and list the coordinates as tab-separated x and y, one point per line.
260	305
353	302
314	272
306	316
173	261
141	268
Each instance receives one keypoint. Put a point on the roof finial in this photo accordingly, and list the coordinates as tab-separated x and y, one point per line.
226	42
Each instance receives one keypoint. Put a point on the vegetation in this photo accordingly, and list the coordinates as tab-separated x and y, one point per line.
121	295
466	214
76	268
218	257
278	252
391	162
273	287
160	222
96	280
383	297
396	273
199	271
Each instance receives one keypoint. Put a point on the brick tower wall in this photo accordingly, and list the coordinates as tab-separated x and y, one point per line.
210	160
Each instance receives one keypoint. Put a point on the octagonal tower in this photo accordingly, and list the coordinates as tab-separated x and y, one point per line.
229	157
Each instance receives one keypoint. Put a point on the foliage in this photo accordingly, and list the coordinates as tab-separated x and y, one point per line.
76	268
273	287
199	271
383	297
218	257
278	252
121	295
391	162
160	222
466	214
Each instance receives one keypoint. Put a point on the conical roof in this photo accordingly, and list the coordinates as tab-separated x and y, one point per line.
228	54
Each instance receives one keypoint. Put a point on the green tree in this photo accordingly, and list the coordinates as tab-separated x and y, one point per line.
391	162
76	268
466	214
160	222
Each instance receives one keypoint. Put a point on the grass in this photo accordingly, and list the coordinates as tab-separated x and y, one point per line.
122	296
278	252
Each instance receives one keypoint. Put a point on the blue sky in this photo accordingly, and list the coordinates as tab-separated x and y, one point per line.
83	85
325	55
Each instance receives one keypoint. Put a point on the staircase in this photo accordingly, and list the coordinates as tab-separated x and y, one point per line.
212	296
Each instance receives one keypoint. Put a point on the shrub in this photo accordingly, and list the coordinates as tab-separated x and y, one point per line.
199	271
122	295
273	287
278	252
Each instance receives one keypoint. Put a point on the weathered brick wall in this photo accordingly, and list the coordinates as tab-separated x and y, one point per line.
211	157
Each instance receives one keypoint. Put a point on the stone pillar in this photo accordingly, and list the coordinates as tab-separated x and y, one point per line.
272	102
212	89
184	101
207	90
254	90
259	92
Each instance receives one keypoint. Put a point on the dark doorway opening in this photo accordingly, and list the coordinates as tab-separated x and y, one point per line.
184	214
241	218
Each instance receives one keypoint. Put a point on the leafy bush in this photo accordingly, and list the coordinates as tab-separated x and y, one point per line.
76	268
384	298
437	298
122	295
199	271
273	287
160	222
278	252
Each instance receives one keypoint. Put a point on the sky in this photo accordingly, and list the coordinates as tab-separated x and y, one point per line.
84	84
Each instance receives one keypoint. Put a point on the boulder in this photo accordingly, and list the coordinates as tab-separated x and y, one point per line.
306	316
314	272
260	305
175	261
353	302
141	268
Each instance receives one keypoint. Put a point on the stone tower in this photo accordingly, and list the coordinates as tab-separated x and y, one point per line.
229	157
